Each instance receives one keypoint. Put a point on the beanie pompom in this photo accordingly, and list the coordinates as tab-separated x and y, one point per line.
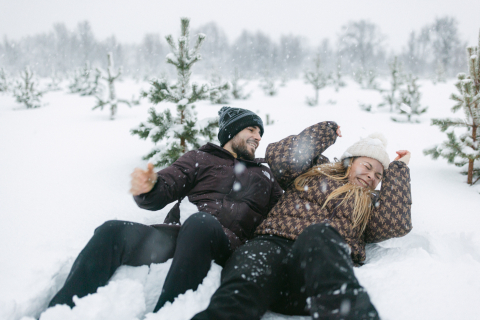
378	136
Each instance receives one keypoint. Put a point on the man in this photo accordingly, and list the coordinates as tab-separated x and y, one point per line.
232	190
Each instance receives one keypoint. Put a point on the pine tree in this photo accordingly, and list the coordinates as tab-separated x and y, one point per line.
464	150
267	83
86	81
55	80
220	90
439	73
4	82
337	77
237	88
175	135
391	98
112	100
317	78
410	100
26	91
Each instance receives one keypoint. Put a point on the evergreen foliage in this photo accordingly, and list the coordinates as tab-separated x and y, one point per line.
86	81
317	78
220	90
267	83
392	97
54	83
337	76
112	100
410	101
26	90
4	81
174	135
237	88
463	150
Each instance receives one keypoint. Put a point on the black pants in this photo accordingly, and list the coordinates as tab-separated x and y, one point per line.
275	273
115	243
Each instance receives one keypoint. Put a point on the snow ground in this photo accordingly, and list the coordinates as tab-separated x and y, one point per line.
66	170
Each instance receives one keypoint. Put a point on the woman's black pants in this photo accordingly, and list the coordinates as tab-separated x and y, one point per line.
200	240
311	275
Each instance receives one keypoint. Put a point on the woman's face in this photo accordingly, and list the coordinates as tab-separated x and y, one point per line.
366	172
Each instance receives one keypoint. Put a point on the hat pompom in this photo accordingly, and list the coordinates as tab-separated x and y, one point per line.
379	136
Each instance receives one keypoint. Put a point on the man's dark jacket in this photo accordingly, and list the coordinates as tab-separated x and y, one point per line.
239	193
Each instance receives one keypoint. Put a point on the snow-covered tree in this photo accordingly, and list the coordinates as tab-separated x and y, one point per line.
175	135
318	78
237	88
220	90
86	81
337	76
391	97
4	81
26	90
267	83
463	150
112	100
361	45
410	101
439	73
55	80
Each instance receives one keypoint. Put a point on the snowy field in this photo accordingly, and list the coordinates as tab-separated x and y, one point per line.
66	170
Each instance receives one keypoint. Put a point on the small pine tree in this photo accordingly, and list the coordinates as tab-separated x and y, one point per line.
267	83
86	81
410	100
220	90
391	98
439	74
4	81
337	77
26	90
112	100
237	88
317	78
178	134
464	150
55	80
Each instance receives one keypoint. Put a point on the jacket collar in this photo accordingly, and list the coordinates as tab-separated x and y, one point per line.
220	152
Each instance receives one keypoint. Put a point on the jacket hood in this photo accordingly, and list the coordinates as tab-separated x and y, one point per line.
220	152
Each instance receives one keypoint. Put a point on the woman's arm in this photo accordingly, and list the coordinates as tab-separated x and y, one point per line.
295	154
391	216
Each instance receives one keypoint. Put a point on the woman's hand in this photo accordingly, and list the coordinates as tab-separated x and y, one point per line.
339	133
403	155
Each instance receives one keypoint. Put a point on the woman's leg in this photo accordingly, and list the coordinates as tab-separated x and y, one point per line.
320	269
113	244
201	239
252	279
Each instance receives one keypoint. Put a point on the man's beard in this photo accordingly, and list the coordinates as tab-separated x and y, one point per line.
241	149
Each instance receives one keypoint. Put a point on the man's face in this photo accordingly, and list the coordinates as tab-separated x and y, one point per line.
246	142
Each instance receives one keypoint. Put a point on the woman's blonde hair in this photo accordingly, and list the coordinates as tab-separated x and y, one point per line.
339	171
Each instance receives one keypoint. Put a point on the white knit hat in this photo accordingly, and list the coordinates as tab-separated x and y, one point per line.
372	146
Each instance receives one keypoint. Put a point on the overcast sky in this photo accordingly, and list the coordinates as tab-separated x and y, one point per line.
315	19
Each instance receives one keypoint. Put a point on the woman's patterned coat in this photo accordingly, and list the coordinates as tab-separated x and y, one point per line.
296	210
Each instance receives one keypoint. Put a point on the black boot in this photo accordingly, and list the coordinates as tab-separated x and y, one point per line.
351	304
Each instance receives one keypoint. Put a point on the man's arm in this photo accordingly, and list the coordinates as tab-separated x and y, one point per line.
295	154
172	183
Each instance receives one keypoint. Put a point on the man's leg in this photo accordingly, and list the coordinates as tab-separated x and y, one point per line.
252	279
113	244
201	239
320	269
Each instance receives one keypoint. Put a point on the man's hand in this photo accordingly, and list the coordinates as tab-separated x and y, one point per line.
403	155
143	181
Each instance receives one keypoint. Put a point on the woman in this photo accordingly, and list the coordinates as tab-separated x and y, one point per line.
302	259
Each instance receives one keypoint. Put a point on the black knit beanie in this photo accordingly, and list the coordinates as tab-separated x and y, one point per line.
234	120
